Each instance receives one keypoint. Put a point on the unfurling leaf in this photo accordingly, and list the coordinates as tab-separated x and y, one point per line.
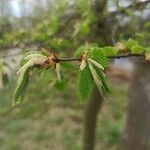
137	49
84	84
105	85
30	61
130	43
109	51
21	86
98	55
96	78
96	64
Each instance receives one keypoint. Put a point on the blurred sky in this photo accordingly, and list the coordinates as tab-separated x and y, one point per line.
16	10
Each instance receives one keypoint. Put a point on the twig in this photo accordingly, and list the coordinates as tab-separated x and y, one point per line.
126	56
68	59
110	57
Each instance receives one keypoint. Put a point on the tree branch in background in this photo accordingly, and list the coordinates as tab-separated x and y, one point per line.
137	6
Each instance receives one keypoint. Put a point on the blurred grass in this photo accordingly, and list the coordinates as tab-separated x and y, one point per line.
46	121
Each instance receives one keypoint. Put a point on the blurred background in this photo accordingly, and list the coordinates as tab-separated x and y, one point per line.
52	117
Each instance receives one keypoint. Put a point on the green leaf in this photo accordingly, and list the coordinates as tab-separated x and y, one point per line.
31	55
130	43
96	78
96	64
79	51
98	55
109	50
34	61
137	49
21	86
106	87
84	84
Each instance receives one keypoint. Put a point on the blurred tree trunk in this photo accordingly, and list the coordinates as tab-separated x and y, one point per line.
137	131
96	101
90	119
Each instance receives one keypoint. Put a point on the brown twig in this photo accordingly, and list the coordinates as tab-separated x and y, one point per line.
110	57
68	59
126	56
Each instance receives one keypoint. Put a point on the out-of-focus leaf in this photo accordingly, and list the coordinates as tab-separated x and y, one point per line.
130	43
79	51
137	49
147	49
109	51
60	85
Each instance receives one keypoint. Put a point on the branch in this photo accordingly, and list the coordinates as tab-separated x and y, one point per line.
126	56
67	59
136	6
58	60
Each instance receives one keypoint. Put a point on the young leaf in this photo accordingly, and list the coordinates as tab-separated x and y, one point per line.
105	84
130	43
31	55
137	49
33	61
79	51
84	84
109	51
98	55
96	64
96	78
21	86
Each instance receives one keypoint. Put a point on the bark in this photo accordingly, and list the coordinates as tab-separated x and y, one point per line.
90	119
137	131
96	101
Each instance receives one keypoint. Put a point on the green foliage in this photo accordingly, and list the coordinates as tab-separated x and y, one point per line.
96	78
134	47
79	51
92	64
110	51
21	86
84	84
130	43
32	54
137	49
105	85
93	61
98	55
27	63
